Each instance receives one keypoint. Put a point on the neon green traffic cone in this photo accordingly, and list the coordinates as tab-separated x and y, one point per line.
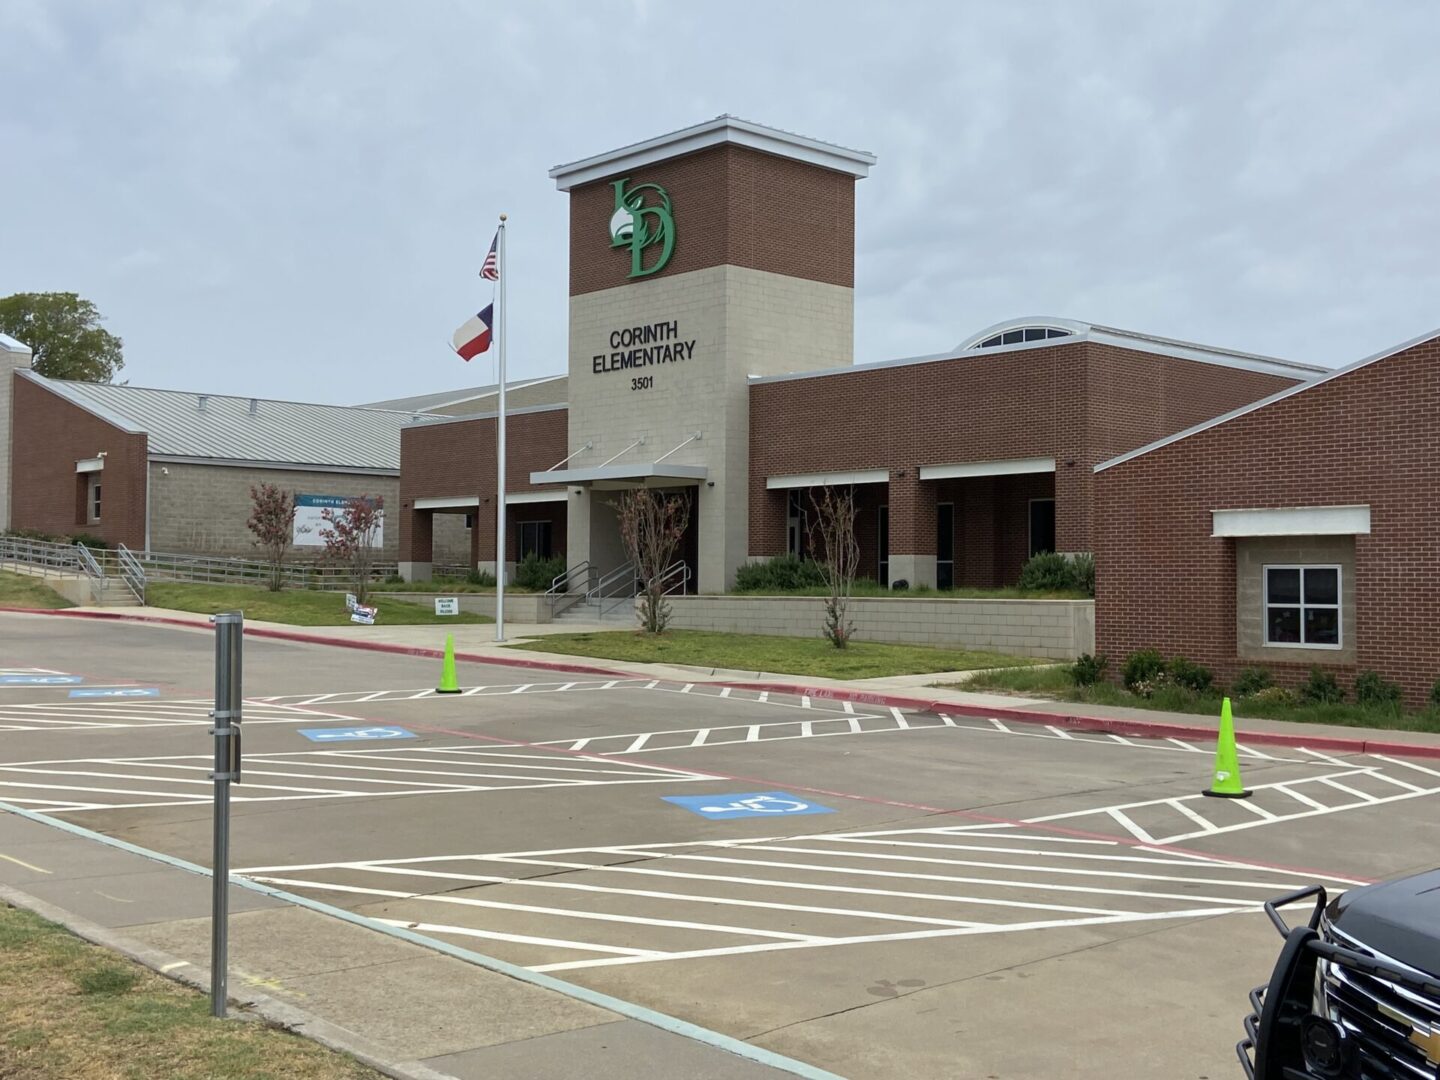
1227	783
448	683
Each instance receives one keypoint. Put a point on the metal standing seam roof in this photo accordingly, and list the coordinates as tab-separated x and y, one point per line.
425	402
222	428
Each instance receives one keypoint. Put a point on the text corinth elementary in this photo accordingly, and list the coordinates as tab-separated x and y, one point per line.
642	346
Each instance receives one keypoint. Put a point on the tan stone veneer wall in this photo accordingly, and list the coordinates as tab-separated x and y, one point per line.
1252	556
743	322
1053	629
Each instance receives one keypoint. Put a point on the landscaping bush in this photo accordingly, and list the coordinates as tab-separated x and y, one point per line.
1274	695
394	579
1142	666
481	577
86	540
1435	693
1322	689
537	574
1251	681
1052	572
1193	677
1371	689
780	575
1088	670
1160	684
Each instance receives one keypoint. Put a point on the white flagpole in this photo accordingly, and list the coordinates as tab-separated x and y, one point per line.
502	331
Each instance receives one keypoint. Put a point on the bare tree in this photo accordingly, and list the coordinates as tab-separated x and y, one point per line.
351	536
272	521
651	526
832	536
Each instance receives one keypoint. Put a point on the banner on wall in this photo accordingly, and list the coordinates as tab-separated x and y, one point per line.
310	519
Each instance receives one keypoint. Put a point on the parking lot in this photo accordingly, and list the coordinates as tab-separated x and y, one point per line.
882	893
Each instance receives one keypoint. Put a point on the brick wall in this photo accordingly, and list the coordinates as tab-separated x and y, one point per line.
50	436
731	205
1369	437
1077	402
457	460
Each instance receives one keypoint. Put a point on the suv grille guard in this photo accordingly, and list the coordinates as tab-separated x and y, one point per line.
1273	1027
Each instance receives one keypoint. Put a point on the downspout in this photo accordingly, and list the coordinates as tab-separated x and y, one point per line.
149	467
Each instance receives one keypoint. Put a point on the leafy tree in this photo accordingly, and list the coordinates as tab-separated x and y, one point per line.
832	537
64	334
651	526
351	534
272	522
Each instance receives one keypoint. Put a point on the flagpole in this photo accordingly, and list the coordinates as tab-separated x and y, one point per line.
502	332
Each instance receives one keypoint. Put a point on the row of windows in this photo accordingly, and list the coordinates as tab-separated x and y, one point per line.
1027	333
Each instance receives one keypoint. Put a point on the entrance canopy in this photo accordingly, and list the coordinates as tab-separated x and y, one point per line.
655	474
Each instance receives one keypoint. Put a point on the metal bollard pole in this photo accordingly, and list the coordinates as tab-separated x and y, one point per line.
229	632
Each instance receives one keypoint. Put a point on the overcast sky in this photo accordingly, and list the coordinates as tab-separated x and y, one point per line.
292	199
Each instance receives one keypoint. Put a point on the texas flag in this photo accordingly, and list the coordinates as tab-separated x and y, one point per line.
473	338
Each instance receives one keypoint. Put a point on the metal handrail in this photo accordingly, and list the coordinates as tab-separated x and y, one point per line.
561	585
42	555
676	570
624	580
132	574
85	560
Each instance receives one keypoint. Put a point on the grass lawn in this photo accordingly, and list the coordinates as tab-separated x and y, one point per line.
1054	682
76	1010
22	590
298	607
758	652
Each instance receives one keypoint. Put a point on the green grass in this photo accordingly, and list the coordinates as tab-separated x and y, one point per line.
1054	682
75	1010
298	607
22	590
868	587
758	652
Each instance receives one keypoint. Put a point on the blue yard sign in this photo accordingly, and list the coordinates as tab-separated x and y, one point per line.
355	734
40	680
116	692
750	804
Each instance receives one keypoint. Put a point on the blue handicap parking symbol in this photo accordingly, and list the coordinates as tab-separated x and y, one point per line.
353	734
40	680
116	692
751	804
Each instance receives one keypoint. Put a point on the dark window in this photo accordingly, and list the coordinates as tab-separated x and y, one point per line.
95	500
1011	337
990	342
1302	606
795	524
1035	333
1052	332
534	539
945	546
1028	333
469	521
1042	525
882	529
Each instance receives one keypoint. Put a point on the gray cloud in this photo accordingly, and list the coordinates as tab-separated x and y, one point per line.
293	199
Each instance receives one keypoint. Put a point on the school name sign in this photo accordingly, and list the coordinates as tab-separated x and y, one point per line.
634	347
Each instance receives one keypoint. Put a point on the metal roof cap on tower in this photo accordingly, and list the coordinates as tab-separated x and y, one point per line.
720	131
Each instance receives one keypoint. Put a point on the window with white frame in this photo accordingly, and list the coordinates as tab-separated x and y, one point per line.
1302	606
92	500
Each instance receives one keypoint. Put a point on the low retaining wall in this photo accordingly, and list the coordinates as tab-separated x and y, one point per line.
519	607
1053	629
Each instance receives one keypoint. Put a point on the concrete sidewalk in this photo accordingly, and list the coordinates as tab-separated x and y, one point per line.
406	1009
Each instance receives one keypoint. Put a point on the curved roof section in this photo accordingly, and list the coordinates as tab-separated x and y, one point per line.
221	428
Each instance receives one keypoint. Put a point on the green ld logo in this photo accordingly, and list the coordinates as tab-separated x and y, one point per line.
642	220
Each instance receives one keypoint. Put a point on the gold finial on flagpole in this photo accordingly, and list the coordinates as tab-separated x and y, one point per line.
504	216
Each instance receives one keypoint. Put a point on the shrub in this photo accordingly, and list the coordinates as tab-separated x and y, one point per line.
780	575
394	579
1052	572
1322	689
1156	684
1435	693
481	577
1274	695
1195	677
537	574
1251	681
1088	670
86	540
1084	565
1142	666
1371	689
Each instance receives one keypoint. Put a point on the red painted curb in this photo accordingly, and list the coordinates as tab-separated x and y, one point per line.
339	643
1149	729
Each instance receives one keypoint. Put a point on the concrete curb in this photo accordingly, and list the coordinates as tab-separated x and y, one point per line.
278	1013
1155	729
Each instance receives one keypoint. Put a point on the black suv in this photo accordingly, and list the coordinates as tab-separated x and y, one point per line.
1355	994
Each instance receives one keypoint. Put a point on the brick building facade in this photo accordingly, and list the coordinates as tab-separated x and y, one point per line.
1299	532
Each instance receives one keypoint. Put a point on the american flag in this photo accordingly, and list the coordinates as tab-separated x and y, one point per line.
491	270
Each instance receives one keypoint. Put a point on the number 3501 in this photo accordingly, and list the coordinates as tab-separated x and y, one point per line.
644	382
